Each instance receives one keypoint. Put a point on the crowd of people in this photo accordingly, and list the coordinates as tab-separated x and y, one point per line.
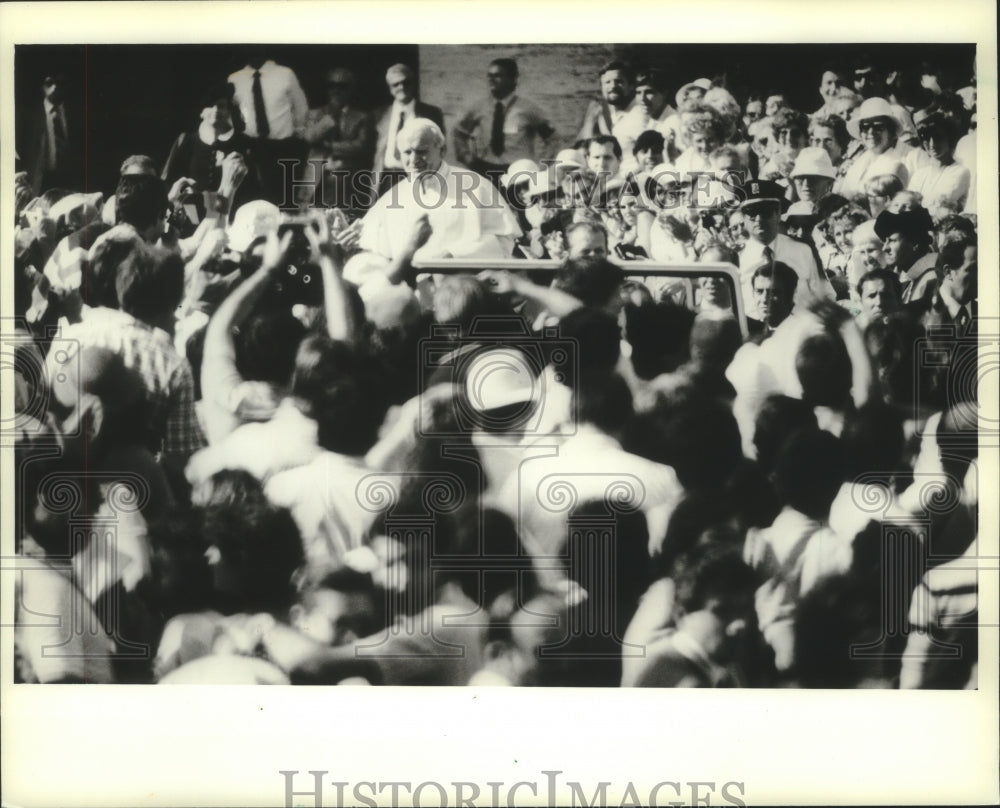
260	439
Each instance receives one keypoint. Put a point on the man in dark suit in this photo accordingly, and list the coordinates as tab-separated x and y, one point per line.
405	106
53	149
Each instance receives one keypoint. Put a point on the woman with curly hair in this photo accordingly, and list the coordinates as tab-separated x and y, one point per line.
703	129
789	133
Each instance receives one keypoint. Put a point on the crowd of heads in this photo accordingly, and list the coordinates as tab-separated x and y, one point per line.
328	480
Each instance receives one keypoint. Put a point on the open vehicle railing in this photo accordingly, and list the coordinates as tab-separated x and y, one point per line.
686	272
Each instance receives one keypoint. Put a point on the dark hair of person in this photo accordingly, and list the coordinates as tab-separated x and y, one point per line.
607	550
596	340
180	580
604	402
150	283
955	225
339	386
825	371
620	66
838	126
777	418
508	65
838	615
873	440
890	278
712	575
952	253
100	274
267	344
604	140
140	200
809	471
698	437
592	281
781	272
259	542
786	118
660	336
650	139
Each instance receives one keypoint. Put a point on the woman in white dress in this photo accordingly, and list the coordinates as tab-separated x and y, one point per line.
877	127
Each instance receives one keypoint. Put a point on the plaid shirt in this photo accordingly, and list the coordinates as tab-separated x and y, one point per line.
167	377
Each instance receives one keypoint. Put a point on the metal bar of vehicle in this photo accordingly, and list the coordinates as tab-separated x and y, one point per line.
632	269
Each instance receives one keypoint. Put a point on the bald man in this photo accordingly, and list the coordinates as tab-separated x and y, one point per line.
405	106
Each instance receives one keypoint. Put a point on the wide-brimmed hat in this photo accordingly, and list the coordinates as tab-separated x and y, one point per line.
830	204
75	211
870	109
913	224
520	171
813	161
800	212
700	84
500	378
542	183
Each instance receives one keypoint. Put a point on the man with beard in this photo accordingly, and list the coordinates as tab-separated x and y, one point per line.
617	98
651	111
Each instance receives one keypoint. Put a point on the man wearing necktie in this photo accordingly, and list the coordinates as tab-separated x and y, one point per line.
950	319
401	81
503	128
55	155
762	202
274	109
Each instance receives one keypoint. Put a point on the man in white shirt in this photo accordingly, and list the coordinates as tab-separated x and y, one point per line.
274	109
762	204
617	98
465	214
405	107
502	128
651	111
588	465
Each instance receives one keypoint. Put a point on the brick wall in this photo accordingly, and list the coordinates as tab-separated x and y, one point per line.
559	78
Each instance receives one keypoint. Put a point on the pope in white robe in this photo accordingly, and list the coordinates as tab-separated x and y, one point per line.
468	217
